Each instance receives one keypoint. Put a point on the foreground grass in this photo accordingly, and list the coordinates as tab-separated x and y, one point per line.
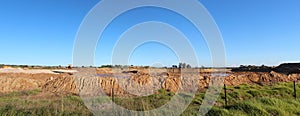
16	104
276	100
259	100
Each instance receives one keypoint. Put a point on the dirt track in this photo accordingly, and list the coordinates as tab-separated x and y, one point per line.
26	71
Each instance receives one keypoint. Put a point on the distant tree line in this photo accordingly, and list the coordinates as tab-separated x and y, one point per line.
120	66
182	65
253	68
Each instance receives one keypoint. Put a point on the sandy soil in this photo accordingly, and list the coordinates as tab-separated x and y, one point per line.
47	81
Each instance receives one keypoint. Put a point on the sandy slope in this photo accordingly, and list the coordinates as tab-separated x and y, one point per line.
140	83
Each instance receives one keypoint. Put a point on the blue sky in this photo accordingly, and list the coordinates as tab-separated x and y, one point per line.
254	32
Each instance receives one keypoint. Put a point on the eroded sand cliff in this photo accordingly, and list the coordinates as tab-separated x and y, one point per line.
141	83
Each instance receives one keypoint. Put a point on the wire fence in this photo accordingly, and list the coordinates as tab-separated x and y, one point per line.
294	92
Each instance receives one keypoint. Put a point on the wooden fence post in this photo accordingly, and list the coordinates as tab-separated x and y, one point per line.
295	92
112	95
225	95
113	98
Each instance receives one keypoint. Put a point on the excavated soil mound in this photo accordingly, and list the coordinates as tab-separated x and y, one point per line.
129	84
12	82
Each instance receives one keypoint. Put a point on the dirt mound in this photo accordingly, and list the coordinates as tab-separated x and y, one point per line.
63	85
138	84
133	84
104	70
129	84
258	78
288	68
12	82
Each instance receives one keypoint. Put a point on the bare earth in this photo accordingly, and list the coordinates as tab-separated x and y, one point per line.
51	82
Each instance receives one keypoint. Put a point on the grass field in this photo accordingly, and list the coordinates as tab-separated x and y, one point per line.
259	100
265	100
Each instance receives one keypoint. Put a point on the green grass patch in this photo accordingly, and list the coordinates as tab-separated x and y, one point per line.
243	100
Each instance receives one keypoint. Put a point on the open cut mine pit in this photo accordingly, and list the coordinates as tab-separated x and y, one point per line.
137	82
